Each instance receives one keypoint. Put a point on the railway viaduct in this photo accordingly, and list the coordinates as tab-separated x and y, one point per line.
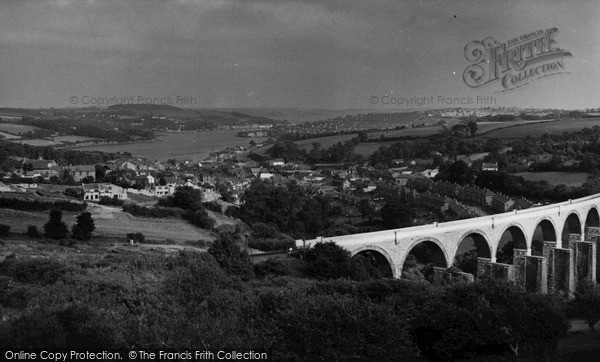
553	245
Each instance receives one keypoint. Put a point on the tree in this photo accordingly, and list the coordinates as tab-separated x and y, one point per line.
84	227
55	228
396	214
252	143
587	303
230	257
472	127
328	261
33	232
364	208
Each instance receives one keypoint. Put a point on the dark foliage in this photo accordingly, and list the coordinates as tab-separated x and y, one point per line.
55	228
4	230
156	212
226	250
84	227
33	232
37	205
111	201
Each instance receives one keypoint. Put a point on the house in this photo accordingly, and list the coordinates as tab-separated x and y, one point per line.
94	191
459	211
501	203
370	187
128	166
419	183
265	175
489	166
81	172
144	180
163	190
446	189
521	203
430	173
41	168
277	162
430	200
476	195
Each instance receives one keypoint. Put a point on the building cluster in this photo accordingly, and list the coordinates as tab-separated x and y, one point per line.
470	194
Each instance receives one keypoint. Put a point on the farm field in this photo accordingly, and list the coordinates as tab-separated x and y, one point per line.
9	136
556	178
16	129
325	142
366	149
407	132
39	142
73	139
112	222
537	130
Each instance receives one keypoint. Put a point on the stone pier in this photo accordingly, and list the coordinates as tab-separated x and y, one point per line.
548	254
520	266
593	235
536	271
485	268
586	261
562	271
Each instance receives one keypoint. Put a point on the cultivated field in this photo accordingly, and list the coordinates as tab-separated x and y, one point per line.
39	142
9	136
537	130
16	129
325	142
73	139
556	178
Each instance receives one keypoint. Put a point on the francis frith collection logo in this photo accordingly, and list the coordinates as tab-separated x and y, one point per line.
516	62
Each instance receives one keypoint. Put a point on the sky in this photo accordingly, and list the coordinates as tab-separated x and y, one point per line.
278	53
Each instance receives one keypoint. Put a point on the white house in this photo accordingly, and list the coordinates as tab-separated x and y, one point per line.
94	191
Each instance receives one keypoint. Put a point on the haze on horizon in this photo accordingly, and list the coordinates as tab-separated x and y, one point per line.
267	53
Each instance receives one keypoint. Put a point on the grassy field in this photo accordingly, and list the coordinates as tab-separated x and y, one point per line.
73	139
325	142
537	130
39	142
9	136
16	129
368	148
556	178
112	222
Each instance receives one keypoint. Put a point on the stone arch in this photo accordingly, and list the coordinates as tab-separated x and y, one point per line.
485	237
592	218
512	237
432	240
572	225
381	251
470	248
547	232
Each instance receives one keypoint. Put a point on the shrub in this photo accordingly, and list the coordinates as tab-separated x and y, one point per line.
111	201
270	266
37	205
33	271
156	212
4	230
33	232
201	219
137	237
261	230
213	206
84	227
232	211
230	257
281	244
55	228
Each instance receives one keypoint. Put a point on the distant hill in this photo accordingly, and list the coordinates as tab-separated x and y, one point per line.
142	107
